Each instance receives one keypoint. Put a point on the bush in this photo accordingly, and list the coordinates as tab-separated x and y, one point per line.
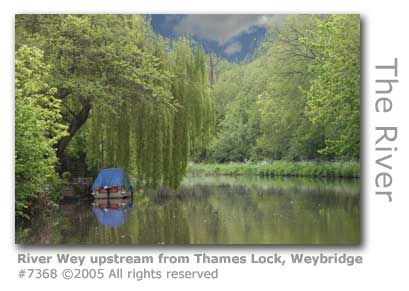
281	168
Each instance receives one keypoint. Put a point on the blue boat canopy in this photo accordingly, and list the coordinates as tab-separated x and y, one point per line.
112	177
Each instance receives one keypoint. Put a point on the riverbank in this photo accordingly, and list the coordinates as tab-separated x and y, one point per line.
280	168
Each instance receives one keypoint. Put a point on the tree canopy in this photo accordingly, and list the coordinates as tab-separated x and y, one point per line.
136	100
298	99
107	88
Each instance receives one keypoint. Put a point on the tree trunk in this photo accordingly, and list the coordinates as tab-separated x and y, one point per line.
79	119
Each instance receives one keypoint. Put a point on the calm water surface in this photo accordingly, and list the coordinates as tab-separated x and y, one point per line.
212	210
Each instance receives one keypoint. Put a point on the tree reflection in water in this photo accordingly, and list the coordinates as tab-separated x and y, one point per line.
213	210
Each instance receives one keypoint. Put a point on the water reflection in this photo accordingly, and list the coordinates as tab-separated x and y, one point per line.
214	210
111	212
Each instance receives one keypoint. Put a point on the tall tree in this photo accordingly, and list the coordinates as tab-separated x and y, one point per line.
333	98
94	57
145	102
38	127
286	131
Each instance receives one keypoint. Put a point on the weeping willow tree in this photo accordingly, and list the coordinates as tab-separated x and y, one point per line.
143	103
151	136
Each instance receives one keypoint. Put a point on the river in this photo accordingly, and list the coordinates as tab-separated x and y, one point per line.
211	210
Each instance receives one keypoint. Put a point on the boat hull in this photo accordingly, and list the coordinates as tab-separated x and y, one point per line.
113	195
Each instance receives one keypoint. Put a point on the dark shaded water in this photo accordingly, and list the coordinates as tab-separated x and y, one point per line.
212	210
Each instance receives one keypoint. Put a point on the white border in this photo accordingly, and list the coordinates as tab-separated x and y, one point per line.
384	224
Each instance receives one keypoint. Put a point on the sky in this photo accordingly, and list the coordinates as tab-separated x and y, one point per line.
232	37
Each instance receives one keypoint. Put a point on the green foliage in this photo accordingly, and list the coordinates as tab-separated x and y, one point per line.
236	93
107	89
193	119
298	99
333	98
280	168
146	104
286	132
158	136
37	128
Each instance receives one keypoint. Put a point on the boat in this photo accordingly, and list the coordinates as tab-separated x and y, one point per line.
112	183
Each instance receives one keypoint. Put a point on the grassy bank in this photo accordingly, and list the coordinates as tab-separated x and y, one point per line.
280	168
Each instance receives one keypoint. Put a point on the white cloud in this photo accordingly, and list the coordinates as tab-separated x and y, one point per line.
221	28
233	48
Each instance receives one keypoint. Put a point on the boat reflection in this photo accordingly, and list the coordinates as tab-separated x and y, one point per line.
112	212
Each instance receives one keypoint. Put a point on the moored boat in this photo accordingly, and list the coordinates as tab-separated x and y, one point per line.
112	183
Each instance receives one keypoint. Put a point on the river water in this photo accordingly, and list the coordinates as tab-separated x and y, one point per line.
211	210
